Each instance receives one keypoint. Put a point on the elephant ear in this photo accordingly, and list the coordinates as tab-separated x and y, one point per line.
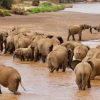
60	39
70	57
74	63
50	48
91	63
49	36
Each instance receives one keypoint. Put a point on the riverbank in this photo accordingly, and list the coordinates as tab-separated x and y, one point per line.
55	23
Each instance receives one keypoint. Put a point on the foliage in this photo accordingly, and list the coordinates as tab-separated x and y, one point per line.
19	11
7	3
47	8
4	13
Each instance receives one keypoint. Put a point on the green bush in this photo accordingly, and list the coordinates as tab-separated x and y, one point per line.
45	4
47	8
7	4
4	13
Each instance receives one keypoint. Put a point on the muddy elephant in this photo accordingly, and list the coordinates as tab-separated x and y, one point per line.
92	53
10	78
96	70
83	71
80	51
77	30
24	54
43	47
10	44
3	40
58	59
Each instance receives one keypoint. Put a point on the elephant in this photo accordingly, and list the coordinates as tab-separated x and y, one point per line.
22	41
77	30
83	71
96	70
3	40
10	44
97	28
58	59
92	53
43	47
58	37
10	78
80	51
24	54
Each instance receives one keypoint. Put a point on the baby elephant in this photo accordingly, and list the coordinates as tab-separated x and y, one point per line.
10	78
83	72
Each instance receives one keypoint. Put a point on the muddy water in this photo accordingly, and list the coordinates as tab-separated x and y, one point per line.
42	85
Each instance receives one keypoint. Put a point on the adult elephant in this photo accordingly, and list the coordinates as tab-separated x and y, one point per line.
92	53
44	46
83	71
96	70
10	78
59	58
80	51
77	30
97	28
3	40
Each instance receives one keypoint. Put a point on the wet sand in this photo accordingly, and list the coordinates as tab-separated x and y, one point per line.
39	83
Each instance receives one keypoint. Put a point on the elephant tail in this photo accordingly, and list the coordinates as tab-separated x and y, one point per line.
19	79
22	86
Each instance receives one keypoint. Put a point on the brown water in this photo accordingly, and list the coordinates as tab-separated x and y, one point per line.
42	85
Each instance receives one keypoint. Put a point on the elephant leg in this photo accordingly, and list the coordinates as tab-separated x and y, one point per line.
89	84
36	55
13	86
0	90
68	37
1	47
63	68
73	37
80	36
57	69
79	82
43	59
52	69
93	74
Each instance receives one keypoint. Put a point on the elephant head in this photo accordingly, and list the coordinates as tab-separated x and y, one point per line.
70	57
74	63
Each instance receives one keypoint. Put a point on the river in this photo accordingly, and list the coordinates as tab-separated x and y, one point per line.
92	8
42	85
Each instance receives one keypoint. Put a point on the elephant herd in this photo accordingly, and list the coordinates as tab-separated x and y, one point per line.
58	53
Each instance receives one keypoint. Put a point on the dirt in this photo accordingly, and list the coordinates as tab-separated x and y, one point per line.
56	23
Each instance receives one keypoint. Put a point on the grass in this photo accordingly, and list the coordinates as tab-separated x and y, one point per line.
47	7
4	12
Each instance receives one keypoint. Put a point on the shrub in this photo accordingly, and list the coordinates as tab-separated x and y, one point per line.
4	13
45	4
19	11
47	8
7	4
